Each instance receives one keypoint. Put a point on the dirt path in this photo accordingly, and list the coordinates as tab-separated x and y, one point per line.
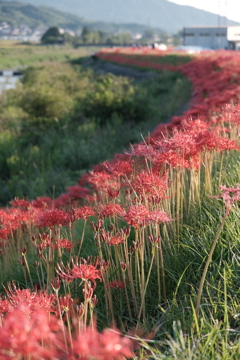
104	67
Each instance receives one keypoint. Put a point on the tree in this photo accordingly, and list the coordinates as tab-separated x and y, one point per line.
85	34
52	35
149	34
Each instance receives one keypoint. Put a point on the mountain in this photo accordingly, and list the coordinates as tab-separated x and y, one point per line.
17	13
161	14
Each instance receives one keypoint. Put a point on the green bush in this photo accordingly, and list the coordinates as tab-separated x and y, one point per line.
110	95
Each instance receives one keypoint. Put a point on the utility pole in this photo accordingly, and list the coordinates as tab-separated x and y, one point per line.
219	24
226	11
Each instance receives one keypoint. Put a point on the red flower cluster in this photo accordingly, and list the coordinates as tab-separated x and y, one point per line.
139	216
22	335
84	212
83	271
107	345
51	218
110	210
31	299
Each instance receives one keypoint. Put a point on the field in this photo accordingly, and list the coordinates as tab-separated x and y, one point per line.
139	258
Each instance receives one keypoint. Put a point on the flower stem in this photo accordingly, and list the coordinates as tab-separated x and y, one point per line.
200	289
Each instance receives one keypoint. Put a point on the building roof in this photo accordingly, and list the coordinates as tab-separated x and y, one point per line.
211	27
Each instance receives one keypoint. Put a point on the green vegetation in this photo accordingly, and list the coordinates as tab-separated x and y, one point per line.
17	55
59	114
89	36
52	35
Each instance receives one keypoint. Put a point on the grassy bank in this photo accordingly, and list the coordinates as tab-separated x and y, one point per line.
17	54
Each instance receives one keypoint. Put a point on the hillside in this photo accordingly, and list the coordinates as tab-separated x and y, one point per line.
155	13
18	13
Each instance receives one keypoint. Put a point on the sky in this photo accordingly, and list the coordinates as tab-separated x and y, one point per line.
228	8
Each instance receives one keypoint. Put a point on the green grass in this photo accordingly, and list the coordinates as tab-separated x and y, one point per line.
19	55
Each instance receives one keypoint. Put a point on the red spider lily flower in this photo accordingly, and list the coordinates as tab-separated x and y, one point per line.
88	290
116	284
229	196
94	301
85	344
191	125
41	202
56	284
71	216
113	192
211	141
23	204
224	144
144	150
4	306
150	183
47	242
110	239
99	179
12	219
33	300
4	233
61	201
137	216
32	215
114	346
63	244
118	168
98	226
51	218
80	271
66	304
84	212
181	150
108	345
115	240
110	210
158	216
45	239
22	336
77	192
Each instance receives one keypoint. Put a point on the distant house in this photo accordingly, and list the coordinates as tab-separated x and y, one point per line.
213	37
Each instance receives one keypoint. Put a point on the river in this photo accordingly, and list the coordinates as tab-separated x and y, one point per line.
8	79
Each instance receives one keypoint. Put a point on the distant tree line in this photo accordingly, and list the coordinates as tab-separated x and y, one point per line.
53	36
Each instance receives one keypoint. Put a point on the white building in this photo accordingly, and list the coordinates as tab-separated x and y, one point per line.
213	37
